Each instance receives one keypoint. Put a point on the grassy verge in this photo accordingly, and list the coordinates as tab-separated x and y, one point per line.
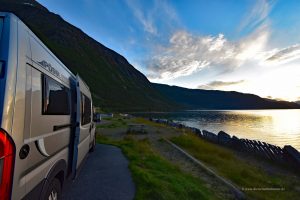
242	173
155	177
115	122
144	121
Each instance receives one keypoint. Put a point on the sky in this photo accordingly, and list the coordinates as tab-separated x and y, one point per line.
250	46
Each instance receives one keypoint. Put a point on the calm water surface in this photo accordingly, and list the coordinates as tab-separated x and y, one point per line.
279	127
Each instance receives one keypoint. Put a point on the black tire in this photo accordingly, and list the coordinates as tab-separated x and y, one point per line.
54	190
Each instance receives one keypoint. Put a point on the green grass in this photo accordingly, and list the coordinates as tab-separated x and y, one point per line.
115	122
118	121
155	177
144	121
242	173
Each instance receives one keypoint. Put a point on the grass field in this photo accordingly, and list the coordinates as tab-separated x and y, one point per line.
155	177
118	121
242	173
115	122
144	121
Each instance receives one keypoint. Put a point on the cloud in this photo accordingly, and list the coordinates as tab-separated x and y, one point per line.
158	11
218	84
145	20
275	98
285	55
186	53
257	16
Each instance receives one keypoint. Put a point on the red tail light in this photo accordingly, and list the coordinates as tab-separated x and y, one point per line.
7	158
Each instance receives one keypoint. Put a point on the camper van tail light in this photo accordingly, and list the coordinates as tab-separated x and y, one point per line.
7	157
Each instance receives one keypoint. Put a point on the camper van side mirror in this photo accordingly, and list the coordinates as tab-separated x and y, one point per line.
1	69
96	117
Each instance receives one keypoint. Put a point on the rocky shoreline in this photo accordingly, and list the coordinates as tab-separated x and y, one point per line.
286	155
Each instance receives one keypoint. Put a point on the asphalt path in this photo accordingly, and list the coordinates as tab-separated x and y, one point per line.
104	176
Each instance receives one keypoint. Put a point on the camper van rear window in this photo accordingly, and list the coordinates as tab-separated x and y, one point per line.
86	110
56	97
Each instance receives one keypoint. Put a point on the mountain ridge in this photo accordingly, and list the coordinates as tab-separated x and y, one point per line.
217	99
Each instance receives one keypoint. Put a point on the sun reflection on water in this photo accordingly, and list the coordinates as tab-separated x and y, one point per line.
278	127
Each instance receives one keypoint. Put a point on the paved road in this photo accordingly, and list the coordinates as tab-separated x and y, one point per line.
104	176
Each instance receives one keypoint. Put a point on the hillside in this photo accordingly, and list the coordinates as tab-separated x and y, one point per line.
214	99
115	84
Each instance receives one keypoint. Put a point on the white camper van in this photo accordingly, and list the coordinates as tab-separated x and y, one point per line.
46	127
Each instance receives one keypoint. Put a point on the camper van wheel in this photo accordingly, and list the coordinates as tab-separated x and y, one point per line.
54	190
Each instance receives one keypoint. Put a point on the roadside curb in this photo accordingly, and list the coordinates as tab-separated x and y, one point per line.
238	193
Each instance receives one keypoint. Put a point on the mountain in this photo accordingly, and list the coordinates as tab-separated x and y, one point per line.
115	84
214	99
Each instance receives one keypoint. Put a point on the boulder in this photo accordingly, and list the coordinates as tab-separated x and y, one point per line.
292	154
210	136
224	138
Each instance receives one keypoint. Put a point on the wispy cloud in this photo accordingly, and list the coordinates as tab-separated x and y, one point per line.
285	55
145	19
275	98
159	11
257	16
219	84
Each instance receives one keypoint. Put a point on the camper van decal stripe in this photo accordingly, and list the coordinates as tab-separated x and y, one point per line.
41	147
33	139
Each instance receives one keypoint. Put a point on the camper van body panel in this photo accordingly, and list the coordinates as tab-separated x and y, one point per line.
30	70
19	120
14	94
47	145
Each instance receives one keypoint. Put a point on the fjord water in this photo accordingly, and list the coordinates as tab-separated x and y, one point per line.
278	127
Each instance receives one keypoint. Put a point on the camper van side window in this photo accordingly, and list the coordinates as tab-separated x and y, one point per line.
86	110
56	97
